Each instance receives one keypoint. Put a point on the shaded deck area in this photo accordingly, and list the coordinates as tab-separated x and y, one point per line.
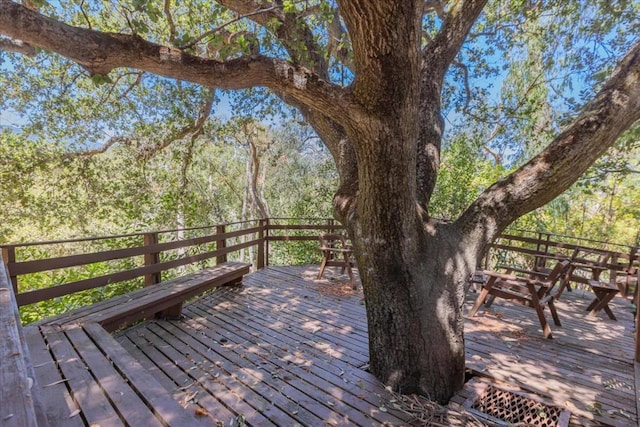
285	349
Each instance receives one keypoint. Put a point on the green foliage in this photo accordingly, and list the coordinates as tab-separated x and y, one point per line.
463	175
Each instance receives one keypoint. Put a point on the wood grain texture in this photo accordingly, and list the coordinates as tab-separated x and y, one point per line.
16	379
144	303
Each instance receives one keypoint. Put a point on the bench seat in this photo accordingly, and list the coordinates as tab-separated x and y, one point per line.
164	299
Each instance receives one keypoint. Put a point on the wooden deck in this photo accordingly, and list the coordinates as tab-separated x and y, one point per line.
285	349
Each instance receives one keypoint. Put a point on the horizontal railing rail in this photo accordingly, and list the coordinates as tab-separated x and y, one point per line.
620	256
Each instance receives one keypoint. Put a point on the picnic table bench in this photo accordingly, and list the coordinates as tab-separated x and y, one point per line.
604	293
532	291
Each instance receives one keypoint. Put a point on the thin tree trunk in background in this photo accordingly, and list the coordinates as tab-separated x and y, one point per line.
181	252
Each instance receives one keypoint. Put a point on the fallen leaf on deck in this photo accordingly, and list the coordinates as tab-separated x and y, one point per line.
55	382
201	412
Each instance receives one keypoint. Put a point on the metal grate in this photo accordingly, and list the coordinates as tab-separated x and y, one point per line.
506	407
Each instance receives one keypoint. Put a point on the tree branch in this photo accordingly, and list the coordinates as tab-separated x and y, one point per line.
102	149
439	53
170	23
614	109
223	26
434	6
100	52
442	50
17	46
467	89
194	129
336	34
84	14
292	32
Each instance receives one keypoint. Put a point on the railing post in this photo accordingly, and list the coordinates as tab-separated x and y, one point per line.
637	319
267	234
9	256
151	258
261	243
331	224
221	244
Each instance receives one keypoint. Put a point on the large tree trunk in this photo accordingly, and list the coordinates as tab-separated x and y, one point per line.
413	280
414	306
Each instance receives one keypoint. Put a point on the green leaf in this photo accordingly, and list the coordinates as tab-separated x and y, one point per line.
100	79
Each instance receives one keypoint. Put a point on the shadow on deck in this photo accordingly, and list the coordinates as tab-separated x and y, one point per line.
587	367
286	349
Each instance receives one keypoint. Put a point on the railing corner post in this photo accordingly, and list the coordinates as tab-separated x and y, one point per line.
221	244
151	258
9	257
262	242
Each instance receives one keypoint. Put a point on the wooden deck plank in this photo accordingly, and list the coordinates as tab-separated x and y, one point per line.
335	360
205	376
184	388
130	406
57	402
95	406
308	328
259	377
312	307
156	397
300	354
320	378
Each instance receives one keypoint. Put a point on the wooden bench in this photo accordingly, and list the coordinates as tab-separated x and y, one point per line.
534	291
336	251
86	378
162	300
604	293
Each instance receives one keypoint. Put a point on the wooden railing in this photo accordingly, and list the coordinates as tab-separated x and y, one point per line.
526	246
150	254
19	403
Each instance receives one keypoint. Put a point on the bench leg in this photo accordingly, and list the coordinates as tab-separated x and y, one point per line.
601	302
479	301
554	313
546	329
322	267
172	313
